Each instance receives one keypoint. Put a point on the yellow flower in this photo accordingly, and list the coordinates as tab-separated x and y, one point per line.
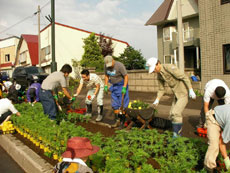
139	107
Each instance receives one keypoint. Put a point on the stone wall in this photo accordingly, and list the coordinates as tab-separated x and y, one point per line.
142	81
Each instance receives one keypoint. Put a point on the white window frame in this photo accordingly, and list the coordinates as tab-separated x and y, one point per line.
172	61
168	37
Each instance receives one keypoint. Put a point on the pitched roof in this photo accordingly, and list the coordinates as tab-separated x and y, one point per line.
161	13
32	43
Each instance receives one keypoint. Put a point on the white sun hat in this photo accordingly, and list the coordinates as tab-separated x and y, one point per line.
17	87
151	63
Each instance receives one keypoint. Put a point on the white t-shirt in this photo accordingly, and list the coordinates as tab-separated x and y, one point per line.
6	105
209	91
94	79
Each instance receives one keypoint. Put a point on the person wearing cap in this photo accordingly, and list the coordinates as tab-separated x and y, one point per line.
7	109
74	158
32	93
116	74
214	89
218	133
95	87
52	82
181	88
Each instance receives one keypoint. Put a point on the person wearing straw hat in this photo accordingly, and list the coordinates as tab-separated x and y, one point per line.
116	74
181	87
74	158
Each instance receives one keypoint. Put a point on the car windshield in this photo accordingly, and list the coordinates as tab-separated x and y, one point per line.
34	70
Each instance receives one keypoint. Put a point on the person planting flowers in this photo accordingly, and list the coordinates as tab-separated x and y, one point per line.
52	81
7	109
95	87
218	133
74	158
180	85
33	92
116	74
215	89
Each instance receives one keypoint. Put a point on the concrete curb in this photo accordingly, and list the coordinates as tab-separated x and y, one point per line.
24	156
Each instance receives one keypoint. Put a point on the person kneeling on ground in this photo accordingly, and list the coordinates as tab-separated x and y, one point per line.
218	133
33	93
95	87
74	158
7	109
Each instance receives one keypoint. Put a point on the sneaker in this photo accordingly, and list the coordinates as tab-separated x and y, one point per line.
88	115
99	118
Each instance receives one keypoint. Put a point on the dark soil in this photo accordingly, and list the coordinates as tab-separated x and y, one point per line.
94	128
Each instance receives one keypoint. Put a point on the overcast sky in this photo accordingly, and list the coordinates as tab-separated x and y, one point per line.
120	19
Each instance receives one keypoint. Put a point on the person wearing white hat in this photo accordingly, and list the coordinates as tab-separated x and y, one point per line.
181	87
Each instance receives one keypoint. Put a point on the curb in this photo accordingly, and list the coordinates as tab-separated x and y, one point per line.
24	156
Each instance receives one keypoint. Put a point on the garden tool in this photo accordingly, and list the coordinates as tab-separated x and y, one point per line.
121	114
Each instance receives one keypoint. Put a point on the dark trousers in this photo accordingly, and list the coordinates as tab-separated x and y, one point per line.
4	116
48	103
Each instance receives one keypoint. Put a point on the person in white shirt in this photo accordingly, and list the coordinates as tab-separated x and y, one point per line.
95	87
215	89
7	109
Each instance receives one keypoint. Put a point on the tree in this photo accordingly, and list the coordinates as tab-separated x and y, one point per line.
132	59
92	56
106	45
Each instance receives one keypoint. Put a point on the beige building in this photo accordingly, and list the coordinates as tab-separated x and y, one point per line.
206	35
68	45
8	47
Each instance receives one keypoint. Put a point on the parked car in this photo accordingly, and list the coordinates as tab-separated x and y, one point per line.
26	75
5	76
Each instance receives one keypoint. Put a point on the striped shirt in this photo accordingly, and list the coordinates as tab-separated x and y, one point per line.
93	81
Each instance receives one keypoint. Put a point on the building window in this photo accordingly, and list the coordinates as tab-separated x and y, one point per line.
167	33
7	57
169	59
226	55
225	1
22	57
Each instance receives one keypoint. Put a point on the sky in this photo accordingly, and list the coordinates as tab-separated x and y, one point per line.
121	19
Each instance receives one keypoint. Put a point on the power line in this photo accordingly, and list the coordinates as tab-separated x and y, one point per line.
28	17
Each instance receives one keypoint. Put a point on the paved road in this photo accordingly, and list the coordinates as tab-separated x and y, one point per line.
7	164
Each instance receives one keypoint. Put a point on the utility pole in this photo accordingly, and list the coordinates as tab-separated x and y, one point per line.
53	63
180	36
39	39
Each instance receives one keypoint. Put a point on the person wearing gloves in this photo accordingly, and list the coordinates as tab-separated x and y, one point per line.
95	87
74	158
181	88
215	89
218	133
48	86
32	93
116	74
7	109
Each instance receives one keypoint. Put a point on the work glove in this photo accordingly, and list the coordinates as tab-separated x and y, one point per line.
227	163
192	94
155	103
123	90
55	97
72	99
75	95
106	88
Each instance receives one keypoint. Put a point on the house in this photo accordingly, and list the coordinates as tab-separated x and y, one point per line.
69	45
8	47
206	34
27	51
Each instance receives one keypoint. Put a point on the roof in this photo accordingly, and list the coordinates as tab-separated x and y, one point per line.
86	32
161	14
32	43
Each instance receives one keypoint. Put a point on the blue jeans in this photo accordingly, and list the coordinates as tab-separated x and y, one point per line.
48	103
116	95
